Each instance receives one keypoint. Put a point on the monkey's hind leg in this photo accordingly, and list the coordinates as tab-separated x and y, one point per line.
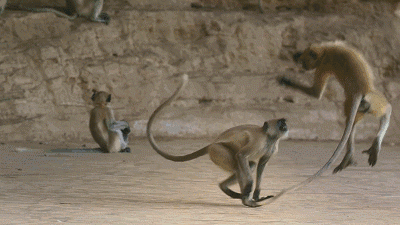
228	182
231	181
348	159
374	150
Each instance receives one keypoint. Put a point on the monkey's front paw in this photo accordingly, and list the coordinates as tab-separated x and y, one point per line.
285	81
373	155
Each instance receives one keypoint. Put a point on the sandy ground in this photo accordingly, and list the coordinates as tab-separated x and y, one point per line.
143	188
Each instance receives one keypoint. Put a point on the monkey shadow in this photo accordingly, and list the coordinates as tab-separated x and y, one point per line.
66	151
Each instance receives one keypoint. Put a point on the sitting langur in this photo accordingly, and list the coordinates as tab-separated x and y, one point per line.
111	135
237	150
355	75
90	9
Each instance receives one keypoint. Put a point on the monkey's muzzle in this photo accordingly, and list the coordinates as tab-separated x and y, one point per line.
282	125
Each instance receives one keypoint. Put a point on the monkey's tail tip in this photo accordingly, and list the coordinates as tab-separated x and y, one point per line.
185	77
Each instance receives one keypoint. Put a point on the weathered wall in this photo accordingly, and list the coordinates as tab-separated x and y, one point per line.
48	66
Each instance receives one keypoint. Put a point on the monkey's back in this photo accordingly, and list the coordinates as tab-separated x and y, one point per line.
97	125
245	135
350	68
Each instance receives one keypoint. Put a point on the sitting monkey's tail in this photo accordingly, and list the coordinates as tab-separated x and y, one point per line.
153	143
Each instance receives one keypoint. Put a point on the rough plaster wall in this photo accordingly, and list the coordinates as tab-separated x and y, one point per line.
49	65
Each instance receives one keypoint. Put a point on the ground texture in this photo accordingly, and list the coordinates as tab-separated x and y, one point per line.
142	188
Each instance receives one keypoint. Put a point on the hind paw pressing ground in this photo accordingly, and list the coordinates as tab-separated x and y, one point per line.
344	164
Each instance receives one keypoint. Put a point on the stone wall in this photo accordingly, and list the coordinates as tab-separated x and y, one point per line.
49	65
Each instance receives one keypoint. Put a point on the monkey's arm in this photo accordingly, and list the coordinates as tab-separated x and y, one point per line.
374	150
260	168
316	90
244	178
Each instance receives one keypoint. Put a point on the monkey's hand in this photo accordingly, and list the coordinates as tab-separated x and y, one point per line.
256	196
373	153
285	81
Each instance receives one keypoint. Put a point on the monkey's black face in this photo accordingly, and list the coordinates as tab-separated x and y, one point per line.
308	59
281	124
101	97
276	128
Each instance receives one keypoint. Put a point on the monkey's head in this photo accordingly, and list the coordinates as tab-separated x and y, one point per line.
100	97
309	58
276	128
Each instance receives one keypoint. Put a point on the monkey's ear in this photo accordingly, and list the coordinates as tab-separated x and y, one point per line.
109	98
296	56
265	127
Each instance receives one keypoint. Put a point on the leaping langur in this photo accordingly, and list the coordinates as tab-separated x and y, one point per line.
237	150
111	135
355	75
90	9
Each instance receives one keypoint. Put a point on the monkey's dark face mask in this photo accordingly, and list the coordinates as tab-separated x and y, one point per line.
308	59
276	128
101	97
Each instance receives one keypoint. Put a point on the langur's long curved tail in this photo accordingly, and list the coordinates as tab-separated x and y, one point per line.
149	134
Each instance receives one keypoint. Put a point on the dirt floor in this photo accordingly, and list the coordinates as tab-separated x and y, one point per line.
38	187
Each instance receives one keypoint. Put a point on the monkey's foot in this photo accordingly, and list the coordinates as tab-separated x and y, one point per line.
250	203
285	81
104	18
126	150
373	155
344	164
263	198
256	196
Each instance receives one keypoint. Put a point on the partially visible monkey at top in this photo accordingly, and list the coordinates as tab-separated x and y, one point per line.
111	135
90	9
355	76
